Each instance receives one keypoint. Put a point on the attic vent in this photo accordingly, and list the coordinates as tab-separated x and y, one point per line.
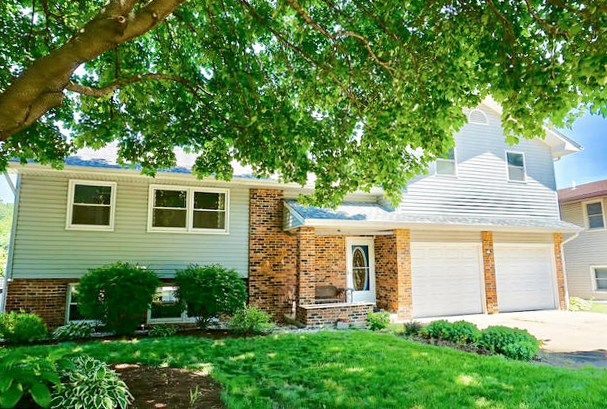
476	116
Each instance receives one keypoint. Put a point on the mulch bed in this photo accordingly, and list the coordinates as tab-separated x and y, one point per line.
154	387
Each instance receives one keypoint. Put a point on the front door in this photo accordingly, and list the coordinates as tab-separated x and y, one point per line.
360	273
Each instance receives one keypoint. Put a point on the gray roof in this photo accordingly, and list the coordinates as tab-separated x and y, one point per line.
368	213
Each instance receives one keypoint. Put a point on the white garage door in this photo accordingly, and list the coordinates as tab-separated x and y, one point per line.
446	279
525	277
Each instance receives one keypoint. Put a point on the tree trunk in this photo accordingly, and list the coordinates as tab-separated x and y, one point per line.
40	87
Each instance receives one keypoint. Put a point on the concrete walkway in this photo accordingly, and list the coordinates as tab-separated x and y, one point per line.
573	339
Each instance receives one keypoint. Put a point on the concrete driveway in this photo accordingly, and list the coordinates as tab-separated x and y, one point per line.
580	337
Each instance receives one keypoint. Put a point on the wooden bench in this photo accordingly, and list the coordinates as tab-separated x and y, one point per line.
329	294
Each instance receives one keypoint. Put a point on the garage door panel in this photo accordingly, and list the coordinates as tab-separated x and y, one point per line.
446	279
524	277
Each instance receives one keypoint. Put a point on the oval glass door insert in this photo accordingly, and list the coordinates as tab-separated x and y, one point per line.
360	268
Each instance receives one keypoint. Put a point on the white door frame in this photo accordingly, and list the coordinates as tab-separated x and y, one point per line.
357	296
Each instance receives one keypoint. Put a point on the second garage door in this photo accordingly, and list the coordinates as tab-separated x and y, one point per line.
524	277
446	279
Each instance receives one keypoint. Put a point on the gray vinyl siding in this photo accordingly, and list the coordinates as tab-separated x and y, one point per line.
481	187
442	236
587	250
44	248
518	237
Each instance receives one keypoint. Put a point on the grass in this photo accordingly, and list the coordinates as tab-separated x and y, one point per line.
600	307
356	369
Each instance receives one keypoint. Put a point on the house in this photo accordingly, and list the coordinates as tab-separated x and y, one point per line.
480	233
586	255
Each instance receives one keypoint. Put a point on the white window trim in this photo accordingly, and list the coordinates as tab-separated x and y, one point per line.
508	167
454	160
585	210
486	123
70	205
68	301
593	279
183	319
189	210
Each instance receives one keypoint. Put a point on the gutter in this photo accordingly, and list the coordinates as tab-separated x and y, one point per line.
8	273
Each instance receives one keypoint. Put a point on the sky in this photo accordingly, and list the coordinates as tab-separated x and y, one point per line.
586	166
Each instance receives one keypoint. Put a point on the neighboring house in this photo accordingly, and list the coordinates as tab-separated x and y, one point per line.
480	233
586	255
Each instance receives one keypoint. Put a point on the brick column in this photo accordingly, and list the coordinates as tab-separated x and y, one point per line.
272	254
393	273
306	266
489	273
560	270
404	285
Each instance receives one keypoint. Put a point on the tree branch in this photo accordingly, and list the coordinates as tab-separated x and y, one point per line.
325	33
120	82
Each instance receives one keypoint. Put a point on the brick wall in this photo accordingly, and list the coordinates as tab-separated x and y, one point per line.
329	315
386	273
489	272
560	271
43	297
272	254
306	264
331	260
393	273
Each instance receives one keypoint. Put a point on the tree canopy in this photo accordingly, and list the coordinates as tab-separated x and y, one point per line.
357	93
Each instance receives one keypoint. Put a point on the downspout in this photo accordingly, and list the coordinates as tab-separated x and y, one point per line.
8	273
575	236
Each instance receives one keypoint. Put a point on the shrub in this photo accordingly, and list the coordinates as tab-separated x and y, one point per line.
118	295
438	330
74	330
511	342
412	328
579	304
206	292
251	320
377	321
21	327
163	330
22	375
463	332
91	384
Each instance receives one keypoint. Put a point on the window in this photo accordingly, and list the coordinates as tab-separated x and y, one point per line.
165	308
516	166
478	117
190	210
594	216
71	310
91	205
600	278
445	165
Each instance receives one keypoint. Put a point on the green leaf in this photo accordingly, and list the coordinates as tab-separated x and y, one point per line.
12	396
41	394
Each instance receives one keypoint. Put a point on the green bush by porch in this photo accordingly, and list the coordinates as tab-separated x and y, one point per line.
356	369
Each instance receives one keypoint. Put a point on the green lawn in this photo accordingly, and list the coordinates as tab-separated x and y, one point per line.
598	307
357	369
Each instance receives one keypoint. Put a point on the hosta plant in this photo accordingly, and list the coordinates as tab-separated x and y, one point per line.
90	384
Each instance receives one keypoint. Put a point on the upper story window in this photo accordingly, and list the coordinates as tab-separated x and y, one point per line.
594	216
91	205
516	166
478	117
600	278
445	165
186	209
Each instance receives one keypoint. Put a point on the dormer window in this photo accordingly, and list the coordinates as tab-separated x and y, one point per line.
445	165
516	166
